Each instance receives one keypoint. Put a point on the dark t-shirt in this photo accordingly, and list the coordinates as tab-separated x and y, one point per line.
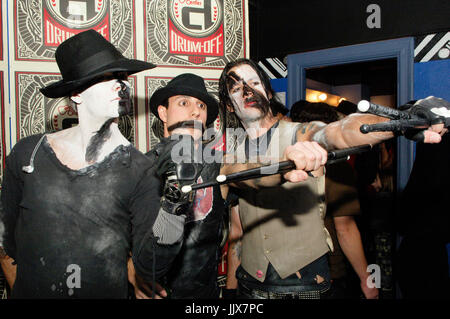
71	231
193	273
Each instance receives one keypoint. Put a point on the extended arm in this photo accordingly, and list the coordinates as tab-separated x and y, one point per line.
343	133
346	132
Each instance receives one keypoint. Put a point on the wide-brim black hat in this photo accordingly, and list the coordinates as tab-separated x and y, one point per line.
85	57
190	85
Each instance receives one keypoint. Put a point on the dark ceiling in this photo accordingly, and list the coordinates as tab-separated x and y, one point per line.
279	28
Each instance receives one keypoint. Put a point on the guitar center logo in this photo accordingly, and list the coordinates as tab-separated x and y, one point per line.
64	18
197	18
61	116
196	28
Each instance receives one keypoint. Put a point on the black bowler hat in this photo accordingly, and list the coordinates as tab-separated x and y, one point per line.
186	84
85	57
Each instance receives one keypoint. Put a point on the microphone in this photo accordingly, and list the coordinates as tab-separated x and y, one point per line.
372	108
30	168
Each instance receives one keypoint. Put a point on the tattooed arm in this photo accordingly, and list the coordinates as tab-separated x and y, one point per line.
344	133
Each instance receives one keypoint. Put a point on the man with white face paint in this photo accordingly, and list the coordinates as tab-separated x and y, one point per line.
71	198
283	246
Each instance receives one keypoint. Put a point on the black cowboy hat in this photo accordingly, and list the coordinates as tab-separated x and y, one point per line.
84	58
186	84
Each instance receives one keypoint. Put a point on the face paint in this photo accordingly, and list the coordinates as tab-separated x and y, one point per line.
125	102
96	142
187	124
247	94
107	99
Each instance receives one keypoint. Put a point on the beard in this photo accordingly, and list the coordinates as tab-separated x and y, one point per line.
96	142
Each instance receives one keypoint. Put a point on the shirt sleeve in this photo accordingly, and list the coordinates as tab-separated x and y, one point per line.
151	259
11	195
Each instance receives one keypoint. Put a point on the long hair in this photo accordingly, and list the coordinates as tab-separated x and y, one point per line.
275	105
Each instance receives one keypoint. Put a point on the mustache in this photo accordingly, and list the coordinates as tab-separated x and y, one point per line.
261	102
187	124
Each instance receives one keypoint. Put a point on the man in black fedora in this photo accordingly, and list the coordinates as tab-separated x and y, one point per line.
71	198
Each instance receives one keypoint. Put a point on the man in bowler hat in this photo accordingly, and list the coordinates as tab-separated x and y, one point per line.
185	108
71	198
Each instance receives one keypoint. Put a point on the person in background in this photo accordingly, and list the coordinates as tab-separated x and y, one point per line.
342	205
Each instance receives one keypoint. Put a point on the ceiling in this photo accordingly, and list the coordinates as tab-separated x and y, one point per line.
279	28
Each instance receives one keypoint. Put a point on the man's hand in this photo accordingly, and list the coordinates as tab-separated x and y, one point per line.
436	111
142	290
369	293
307	156
176	166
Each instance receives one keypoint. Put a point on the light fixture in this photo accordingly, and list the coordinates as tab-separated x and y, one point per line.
319	96
323	97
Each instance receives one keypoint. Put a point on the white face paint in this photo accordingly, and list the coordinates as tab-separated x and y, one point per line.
247	82
101	100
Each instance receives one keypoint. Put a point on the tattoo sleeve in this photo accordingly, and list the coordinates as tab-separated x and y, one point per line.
313	131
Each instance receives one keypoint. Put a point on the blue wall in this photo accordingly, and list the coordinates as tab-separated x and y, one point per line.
432	78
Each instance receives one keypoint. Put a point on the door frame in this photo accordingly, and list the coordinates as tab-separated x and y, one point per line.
402	49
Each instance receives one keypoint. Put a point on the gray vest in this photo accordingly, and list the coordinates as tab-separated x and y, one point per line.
282	225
